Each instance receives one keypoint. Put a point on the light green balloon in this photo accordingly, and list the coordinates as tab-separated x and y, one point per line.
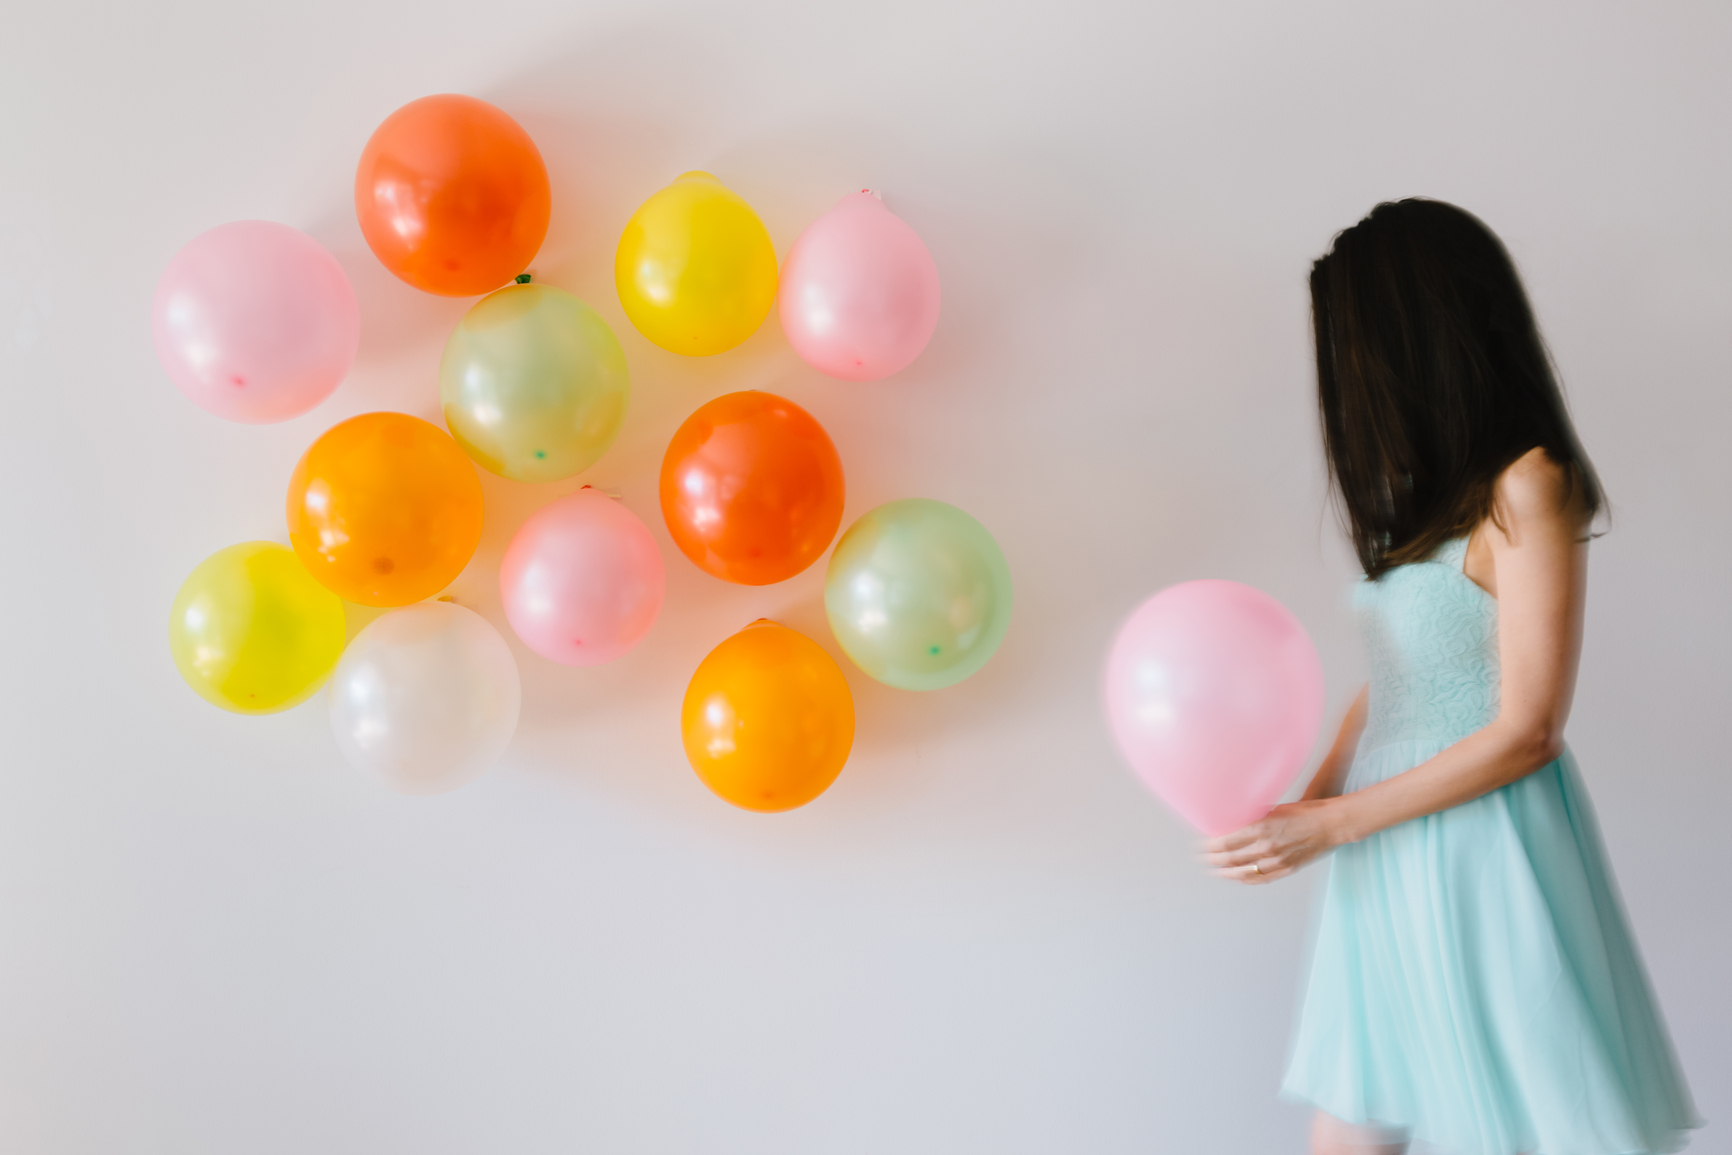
534	384
918	594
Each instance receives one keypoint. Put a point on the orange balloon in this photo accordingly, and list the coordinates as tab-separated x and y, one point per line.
752	488
452	195
768	720
384	509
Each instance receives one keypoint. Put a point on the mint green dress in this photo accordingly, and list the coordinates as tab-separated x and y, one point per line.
1473	979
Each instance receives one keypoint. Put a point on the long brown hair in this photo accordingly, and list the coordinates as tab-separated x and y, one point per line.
1432	378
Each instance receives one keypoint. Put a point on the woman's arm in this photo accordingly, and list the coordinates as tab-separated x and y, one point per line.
1540	565
1326	783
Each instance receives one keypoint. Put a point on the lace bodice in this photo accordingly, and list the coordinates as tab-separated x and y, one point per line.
1431	636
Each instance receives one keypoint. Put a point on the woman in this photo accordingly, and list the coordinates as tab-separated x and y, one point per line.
1474	987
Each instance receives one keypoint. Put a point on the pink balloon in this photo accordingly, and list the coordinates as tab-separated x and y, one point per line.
582	580
859	291
255	322
1215	695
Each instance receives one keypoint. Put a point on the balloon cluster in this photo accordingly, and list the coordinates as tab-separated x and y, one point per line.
255	322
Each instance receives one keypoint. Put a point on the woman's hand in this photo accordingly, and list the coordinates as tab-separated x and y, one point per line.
1287	838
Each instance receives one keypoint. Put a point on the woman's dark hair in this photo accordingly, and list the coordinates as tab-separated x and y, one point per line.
1432	379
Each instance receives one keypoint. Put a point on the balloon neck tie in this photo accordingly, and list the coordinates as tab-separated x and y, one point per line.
522	278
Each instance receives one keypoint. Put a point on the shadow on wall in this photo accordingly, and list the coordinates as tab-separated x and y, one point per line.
972	422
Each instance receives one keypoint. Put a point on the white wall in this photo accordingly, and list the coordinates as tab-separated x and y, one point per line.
215	938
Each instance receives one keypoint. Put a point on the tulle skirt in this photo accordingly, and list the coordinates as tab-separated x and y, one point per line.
1474	981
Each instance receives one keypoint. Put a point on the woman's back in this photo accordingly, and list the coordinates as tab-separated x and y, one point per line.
1431	638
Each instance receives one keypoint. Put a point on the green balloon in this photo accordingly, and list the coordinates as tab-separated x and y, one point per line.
534	384
918	594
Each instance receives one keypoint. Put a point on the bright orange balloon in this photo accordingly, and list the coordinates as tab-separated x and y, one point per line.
752	488
384	509
452	195
768	720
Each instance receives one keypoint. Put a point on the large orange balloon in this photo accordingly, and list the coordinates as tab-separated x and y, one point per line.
452	195
384	509
752	488
768	720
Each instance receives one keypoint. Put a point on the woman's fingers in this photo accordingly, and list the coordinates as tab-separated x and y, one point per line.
1244	856
1248	876
1243	836
1267	868
1254	854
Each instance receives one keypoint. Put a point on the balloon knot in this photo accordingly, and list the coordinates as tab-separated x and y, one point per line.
523	278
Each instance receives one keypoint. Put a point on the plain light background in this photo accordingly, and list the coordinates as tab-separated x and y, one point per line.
216	938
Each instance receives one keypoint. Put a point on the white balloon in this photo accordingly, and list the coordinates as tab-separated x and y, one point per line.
426	698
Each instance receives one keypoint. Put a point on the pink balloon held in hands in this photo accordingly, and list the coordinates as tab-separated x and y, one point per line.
1215	695
255	322
582	580
859	291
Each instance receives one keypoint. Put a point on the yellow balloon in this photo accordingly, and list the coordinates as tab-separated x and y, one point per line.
695	268
252	632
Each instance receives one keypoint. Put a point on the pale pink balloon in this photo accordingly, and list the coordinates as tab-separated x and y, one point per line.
1215	695
255	322
859	291
582	580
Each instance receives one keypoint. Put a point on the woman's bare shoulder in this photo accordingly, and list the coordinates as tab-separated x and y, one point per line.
1537	490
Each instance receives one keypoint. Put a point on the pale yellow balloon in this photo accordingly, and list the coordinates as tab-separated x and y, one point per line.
695	268
252	632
